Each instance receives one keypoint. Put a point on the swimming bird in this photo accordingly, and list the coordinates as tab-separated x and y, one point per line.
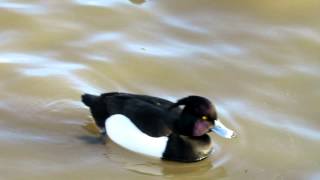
158	127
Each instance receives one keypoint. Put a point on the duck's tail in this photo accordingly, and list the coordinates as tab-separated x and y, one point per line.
97	107
89	100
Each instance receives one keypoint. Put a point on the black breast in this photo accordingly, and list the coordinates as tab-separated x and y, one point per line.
187	149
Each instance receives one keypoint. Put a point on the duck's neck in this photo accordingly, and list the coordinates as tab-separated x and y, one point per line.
184	124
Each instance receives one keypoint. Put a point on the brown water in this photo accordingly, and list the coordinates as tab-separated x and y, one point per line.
259	61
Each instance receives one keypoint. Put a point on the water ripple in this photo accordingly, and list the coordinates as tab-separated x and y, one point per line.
273	119
102	37
100	3
42	66
183	24
12	136
25	8
301	32
17	58
307	69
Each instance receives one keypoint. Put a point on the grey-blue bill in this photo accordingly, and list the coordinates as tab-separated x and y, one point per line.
222	130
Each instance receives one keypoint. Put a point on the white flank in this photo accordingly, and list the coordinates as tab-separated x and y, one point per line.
123	132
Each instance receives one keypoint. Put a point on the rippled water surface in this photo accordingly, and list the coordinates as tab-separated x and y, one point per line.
258	61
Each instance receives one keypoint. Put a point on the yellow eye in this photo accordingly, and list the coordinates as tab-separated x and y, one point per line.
204	118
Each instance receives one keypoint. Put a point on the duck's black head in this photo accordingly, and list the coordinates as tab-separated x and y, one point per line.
197	117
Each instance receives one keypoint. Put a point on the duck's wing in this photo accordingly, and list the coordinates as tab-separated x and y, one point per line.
152	119
150	114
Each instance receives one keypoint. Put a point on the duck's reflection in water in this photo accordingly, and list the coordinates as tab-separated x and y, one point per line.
137	1
176	170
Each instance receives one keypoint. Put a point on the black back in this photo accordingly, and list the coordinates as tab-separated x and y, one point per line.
150	114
